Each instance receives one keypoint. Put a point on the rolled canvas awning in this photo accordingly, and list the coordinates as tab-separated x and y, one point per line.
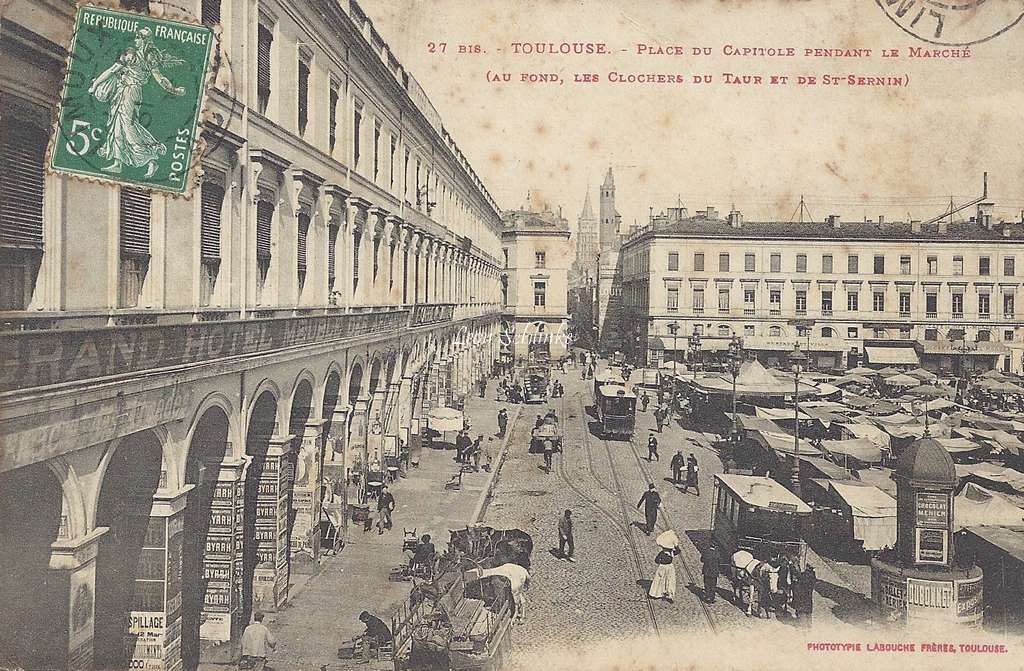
892	355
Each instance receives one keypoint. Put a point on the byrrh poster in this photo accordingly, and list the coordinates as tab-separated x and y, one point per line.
547	334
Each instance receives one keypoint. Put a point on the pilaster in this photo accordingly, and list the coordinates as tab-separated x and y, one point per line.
68	642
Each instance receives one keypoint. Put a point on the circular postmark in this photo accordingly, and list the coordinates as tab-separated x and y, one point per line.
954	22
132	109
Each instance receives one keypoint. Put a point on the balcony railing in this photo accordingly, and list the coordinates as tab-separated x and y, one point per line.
35	357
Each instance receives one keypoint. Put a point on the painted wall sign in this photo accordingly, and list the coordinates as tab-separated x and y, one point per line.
31	359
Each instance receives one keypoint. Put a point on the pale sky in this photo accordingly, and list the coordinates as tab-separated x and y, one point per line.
852	151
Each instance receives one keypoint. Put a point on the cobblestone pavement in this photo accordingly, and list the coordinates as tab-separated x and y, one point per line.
602	595
323	612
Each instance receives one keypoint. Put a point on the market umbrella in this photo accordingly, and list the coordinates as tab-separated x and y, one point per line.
923	375
993	375
901	380
668	540
861	370
889	372
852	378
928	391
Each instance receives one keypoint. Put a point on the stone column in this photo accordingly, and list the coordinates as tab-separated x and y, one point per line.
152	637
305	543
335	466
357	450
68	643
273	568
221	561
403	419
376	427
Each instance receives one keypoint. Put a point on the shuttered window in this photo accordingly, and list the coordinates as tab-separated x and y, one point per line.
22	178
303	96
210	206
264	222
332	239
357	239
134	221
265	40
300	254
332	115
211	12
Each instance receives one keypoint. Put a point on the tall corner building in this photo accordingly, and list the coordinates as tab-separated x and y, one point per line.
943	294
183	380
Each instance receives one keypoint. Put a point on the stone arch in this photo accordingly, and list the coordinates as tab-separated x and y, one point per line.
304	376
31	502
333	369
209	452
828	332
356	381
77	520
376	374
130	475
265	385
262	426
213	400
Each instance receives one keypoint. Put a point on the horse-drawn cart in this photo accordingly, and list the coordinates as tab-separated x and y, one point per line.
461	619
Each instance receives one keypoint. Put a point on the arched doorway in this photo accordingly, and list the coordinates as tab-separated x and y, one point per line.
30	519
262	552
210	527
131	566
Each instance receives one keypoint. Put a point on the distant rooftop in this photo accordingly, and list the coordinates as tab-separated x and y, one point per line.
833	229
529	220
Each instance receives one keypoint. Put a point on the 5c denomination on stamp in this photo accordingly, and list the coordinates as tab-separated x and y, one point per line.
133	94
954	22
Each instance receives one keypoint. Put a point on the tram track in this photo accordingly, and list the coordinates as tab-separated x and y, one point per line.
666	523
620	520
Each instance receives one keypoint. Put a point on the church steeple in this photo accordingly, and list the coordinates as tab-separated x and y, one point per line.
588	211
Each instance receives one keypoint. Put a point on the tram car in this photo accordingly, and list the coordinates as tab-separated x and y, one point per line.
607	376
535	384
759	515
616	411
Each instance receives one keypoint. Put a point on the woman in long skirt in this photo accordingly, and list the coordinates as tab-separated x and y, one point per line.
663	586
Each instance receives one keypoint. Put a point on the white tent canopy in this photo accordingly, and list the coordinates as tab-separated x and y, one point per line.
975	506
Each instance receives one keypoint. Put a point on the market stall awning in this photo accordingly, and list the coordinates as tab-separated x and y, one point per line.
753	423
976	505
869	431
973	349
902	380
873	512
656	343
781	414
1011	478
825	467
904	356
861	449
783	443
954	445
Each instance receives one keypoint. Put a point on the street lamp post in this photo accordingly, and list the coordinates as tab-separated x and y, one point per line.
963	347
694	347
735	358
797	358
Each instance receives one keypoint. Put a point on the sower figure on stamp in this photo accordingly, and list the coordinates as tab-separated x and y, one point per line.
128	141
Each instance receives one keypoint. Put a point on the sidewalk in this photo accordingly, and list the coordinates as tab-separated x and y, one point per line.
324	610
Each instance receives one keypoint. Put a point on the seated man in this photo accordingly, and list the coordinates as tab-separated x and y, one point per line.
424	553
376	634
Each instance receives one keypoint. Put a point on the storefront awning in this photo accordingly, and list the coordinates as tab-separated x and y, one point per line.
656	343
892	355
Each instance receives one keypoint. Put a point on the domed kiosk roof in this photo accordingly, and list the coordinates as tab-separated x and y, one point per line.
926	460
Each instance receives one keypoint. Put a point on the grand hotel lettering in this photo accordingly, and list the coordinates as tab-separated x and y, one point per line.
32	359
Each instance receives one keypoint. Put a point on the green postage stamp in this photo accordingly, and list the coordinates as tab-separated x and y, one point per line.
133	95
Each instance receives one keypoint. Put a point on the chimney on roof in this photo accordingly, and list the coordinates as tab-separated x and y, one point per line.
943	225
735	219
915	225
712	212
833	221
881	220
985	214
1007	228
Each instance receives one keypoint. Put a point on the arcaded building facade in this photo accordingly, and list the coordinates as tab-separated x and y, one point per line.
186	381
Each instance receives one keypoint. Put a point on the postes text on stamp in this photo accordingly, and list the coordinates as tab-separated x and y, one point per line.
132	99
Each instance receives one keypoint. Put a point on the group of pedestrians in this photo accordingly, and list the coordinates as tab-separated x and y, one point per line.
469	451
512	391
